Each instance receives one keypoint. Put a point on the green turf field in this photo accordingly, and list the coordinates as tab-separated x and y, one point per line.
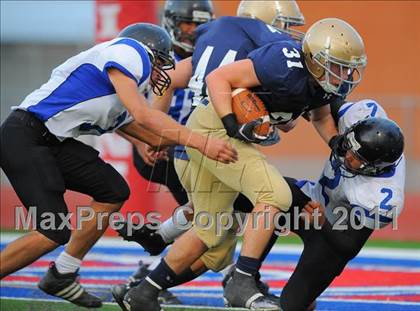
30	305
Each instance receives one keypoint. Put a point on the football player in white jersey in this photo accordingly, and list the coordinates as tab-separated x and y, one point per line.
361	189
97	91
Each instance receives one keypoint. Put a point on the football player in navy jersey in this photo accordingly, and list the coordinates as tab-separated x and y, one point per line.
262	23
297	78
261	19
292	78
97	91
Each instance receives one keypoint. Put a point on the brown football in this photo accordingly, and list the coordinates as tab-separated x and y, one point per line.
247	107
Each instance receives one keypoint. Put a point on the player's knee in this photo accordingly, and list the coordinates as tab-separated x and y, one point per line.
61	236
281	200
116	190
120	193
217	261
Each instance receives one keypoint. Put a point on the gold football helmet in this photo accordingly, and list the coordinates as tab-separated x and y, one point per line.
279	14
334	55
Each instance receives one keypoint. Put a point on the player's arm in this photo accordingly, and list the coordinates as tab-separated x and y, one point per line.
222	80
142	139
180	76
135	134
220	83
324	123
162	125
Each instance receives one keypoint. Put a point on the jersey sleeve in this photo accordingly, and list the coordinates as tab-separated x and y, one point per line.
129	57
377	202
278	66
350	113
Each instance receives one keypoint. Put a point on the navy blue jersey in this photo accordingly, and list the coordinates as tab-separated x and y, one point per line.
224	41
287	88
181	105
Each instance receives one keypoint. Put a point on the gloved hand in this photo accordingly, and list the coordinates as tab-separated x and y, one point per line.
273	138
244	132
336	144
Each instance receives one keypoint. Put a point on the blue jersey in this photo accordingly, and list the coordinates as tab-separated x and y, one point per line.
287	88
181	105
180	110
224	41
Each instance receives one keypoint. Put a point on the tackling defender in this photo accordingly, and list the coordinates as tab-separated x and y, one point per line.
330	70
365	177
94	92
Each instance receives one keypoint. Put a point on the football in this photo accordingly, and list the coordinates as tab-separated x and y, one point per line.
247	107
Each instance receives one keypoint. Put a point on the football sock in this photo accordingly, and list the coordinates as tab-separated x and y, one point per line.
184	277
67	264
174	226
162	277
247	265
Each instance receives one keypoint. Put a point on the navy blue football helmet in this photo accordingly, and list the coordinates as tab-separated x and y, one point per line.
159	45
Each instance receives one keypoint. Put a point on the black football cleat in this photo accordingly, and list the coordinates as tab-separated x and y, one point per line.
263	287
242	291
119	291
143	297
67	286
149	239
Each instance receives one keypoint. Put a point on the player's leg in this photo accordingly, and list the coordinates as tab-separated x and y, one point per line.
318	265
84	172
154	240
21	252
261	183
31	169
34	172
192	244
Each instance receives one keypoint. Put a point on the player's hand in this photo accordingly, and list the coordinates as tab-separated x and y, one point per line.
244	132
219	150
149	155
247	134
336	144
272	139
310	208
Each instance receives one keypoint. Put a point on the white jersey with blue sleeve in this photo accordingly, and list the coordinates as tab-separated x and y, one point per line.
352	112
374	201
80	99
